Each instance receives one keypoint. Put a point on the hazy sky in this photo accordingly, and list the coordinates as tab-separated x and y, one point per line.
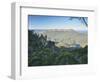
55	22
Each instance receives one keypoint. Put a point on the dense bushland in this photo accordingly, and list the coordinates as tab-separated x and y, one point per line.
42	52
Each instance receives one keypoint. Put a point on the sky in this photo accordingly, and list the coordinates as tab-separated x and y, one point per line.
55	22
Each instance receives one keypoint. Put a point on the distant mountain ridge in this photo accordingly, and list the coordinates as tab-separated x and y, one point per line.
66	37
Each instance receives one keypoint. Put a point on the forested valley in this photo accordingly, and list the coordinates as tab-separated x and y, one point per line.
43	52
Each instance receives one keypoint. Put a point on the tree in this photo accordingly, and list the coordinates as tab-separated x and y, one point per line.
81	19
44	52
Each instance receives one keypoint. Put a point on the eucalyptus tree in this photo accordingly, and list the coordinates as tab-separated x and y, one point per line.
83	20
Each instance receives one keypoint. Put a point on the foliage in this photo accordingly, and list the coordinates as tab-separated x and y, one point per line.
43	52
83	20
